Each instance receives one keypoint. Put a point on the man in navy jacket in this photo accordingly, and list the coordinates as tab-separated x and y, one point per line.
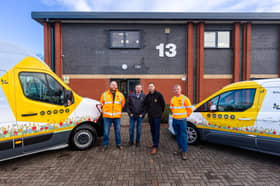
135	110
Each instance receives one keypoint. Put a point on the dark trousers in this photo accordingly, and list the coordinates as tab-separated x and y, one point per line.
155	130
180	128
132	121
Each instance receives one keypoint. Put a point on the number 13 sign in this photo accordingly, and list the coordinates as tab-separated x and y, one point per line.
168	50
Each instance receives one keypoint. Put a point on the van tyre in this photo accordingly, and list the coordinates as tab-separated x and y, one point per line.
83	137
193	135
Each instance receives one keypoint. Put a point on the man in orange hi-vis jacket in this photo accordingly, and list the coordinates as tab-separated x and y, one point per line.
113	102
181	108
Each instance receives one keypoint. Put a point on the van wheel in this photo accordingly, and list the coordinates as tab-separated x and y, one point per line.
83	137
193	136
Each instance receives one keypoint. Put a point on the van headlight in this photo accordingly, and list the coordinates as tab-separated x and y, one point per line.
99	108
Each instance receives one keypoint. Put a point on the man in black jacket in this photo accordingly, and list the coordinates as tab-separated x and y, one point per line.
135	110
154	106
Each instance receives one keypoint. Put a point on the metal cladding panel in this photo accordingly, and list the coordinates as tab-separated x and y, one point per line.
265	49
86	49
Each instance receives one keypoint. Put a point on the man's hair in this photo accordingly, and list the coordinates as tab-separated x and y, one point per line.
151	83
138	85
177	85
113	81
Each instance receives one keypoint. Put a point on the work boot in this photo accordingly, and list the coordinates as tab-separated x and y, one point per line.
184	156
119	147
154	151
104	148
178	152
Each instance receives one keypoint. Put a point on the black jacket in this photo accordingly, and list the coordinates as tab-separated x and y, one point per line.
154	104
135	105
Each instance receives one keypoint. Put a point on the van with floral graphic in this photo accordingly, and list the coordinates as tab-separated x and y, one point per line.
244	114
38	111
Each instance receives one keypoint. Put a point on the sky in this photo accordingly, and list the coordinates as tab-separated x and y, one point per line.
18	27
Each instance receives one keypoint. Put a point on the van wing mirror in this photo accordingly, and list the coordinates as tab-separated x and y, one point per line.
213	108
68	98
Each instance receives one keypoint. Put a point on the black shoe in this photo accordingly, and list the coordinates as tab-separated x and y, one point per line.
130	144
104	148
184	156
119	147
137	144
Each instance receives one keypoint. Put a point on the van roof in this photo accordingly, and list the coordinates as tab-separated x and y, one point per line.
10	55
275	82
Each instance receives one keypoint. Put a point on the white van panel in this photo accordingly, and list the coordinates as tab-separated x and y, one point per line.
269	116
6	114
87	109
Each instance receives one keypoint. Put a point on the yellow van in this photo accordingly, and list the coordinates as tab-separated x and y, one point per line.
244	114
38	111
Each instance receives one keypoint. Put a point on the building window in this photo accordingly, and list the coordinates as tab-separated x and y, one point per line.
217	39
125	39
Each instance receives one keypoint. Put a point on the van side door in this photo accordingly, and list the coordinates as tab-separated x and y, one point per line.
228	121
268	120
40	110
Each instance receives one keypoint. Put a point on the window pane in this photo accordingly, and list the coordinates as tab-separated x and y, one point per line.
209	39
237	100
117	39
35	86
206	106
223	39
56	91
132	39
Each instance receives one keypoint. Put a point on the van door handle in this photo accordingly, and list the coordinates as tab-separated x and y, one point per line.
31	114
244	119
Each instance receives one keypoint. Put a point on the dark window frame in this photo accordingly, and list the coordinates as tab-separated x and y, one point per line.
124	38
216	39
45	76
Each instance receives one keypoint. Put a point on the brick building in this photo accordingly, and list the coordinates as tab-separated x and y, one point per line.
201	51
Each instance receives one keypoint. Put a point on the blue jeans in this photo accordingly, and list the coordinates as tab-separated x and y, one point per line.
132	120
117	126
155	130
180	128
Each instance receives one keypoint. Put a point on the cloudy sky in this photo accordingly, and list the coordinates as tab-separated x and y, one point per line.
17	26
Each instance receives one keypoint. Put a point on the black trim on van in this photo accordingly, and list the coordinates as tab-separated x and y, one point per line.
6	145
37	139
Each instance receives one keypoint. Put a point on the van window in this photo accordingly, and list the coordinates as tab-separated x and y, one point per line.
206	106
231	101
236	100
42	87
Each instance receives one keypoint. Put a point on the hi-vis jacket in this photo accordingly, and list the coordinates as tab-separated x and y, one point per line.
180	107
112	108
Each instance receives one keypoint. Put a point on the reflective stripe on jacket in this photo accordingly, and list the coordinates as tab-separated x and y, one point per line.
180	107
112	108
